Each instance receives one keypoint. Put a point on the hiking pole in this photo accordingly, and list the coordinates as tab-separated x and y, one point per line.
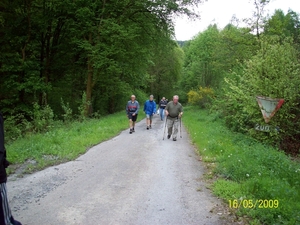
180	129
165	128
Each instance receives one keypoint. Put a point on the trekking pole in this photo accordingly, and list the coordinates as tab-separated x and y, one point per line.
165	128
180	129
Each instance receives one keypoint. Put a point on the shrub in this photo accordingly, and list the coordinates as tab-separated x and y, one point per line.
201	97
14	126
67	111
42	117
82	107
273	72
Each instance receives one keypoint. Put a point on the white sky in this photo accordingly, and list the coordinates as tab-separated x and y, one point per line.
221	12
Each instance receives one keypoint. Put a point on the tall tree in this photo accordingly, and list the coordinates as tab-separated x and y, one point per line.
165	70
256	22
199	67
53	49
284	25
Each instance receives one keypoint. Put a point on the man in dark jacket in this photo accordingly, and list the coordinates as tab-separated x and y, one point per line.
132	110
5	214
162	105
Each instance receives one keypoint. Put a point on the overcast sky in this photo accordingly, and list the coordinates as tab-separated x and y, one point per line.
221	12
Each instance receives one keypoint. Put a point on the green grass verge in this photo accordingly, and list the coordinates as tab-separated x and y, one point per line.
247	170
63	142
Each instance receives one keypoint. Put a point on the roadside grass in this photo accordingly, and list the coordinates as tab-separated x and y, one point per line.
64	142
255	180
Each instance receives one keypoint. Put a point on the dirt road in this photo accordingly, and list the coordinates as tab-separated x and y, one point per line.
131	179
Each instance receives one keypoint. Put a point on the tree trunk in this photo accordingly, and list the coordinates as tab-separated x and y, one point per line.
47	66
27	7
89	84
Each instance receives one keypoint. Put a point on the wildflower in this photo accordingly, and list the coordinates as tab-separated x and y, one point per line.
259	174
247	175
239	160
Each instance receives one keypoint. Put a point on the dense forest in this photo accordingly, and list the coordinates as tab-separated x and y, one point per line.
86	56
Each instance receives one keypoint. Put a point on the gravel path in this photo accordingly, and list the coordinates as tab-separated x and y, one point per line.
131	179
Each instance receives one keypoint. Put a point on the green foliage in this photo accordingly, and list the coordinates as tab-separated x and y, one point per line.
165	70
200	57
67	115
201	97
273	72
211	55
58	49
227	189
15	127
246	169
140	96
283	26
82	107
42	118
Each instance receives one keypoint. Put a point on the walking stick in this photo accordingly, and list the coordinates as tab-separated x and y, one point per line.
180	129
165	128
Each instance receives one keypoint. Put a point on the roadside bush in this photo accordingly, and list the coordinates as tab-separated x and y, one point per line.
201	97
82	107
42	118
274	72
67	115
15	126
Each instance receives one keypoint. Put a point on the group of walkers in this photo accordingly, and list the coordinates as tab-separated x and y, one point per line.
173	111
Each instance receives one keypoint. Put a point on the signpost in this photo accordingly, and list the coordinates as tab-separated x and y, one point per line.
269	106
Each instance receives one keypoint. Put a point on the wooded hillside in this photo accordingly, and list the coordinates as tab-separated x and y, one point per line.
86	52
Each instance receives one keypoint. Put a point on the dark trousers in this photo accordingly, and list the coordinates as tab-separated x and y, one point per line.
5	213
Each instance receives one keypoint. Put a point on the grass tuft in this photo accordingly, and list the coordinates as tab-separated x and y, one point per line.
62	143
